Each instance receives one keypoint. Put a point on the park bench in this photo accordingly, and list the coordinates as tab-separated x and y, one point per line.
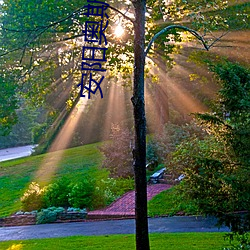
155	177
182	176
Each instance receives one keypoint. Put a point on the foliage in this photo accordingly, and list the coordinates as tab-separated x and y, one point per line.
8	105
57	193
43	45
48	215
38	131
108	190
73	209
216	168
81	194
205	175
65	193
103	193
22	132
92	192
152	157
32	199
166	141
118	156
243	242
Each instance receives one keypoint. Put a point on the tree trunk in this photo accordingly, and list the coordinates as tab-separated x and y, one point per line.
139	152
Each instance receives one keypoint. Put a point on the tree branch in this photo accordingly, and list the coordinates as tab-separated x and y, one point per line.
124	15
42	29
218	38
193	32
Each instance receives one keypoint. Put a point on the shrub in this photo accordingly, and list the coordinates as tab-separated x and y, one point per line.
57	193
33	197
166	141
48	215
109	189
38	132
73	209
216	168
123	185
118	153
103	194
81	194
243	242
152	155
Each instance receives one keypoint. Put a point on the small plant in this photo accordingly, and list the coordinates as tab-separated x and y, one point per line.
103	195
109	189
48	215
76	210
33	197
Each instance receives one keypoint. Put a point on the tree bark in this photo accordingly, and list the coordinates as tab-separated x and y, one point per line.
139	151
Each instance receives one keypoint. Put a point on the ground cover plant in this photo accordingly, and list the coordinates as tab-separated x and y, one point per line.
170	241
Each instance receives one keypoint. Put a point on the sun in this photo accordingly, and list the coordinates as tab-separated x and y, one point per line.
119	31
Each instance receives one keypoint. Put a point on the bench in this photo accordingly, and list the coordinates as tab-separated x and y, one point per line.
155	177
182	176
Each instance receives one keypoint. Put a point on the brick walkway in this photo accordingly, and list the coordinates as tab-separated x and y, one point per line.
124	207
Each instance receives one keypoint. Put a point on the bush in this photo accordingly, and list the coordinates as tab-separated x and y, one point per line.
166	141
118	153
109	189
243	242
81	194
38	132
216	168
103	194
33	198
152	155
48	215
57	193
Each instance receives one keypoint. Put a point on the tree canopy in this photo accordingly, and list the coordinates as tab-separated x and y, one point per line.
43	45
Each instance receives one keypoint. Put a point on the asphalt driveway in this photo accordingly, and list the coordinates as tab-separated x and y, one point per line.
17	152
156	225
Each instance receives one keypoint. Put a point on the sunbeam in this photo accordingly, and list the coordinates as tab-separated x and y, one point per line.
51	161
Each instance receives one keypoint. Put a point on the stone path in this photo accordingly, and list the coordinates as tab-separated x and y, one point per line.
124	207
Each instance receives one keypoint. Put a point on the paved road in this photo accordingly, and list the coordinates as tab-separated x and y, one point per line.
156	225
14	153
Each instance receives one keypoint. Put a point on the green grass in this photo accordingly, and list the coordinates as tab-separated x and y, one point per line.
171	241
16	175
169	203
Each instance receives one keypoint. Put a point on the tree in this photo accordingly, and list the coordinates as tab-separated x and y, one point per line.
69	23
217	168
8	106
118	156
139	151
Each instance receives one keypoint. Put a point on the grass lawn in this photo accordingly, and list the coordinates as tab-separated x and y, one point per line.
16	175
170	241
169	202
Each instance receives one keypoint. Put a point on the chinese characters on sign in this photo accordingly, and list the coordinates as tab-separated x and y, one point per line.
92	56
